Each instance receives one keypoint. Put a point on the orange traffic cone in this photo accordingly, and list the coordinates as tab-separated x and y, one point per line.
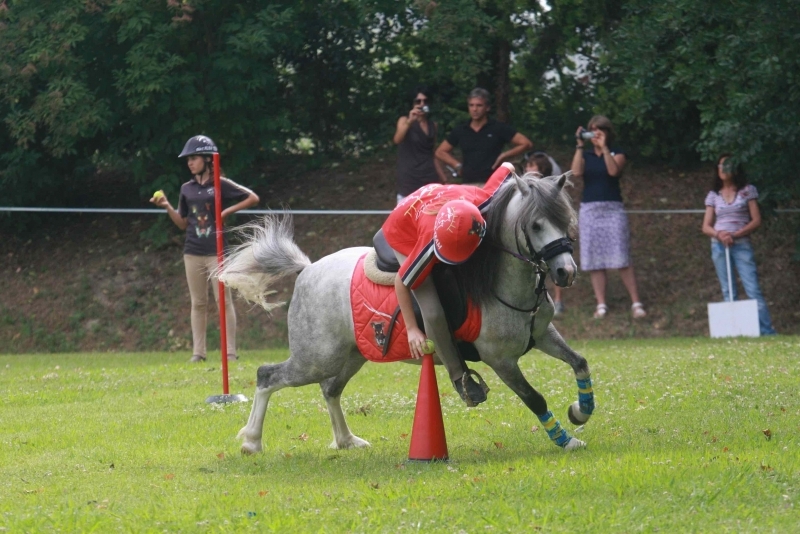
428	442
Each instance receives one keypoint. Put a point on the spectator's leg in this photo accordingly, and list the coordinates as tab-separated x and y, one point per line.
230	310
744	258
718	257
599	285
198	290
629	279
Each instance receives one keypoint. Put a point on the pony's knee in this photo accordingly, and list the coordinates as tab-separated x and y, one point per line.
265	376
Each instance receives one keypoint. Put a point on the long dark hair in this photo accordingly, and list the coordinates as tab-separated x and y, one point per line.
420	89
739	178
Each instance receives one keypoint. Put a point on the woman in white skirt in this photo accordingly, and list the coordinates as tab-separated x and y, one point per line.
602	222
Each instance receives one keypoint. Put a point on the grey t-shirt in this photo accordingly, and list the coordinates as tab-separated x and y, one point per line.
196	204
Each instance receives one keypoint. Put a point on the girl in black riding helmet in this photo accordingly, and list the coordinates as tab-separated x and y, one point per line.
196	215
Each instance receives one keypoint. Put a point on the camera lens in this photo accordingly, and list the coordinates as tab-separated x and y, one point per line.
587	135
426	109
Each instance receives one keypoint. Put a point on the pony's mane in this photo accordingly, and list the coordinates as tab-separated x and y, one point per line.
544	201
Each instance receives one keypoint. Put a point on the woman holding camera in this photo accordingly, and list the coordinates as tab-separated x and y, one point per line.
415	137
602	221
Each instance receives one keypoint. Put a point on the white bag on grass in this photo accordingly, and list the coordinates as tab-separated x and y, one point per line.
733	318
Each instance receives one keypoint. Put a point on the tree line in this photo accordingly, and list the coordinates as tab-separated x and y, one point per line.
119	85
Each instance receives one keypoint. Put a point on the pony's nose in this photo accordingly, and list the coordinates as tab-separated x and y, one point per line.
565	275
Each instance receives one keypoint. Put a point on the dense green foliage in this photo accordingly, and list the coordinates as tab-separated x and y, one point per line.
122	85
111	85
689	77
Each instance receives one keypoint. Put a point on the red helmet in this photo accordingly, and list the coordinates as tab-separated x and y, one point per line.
458	231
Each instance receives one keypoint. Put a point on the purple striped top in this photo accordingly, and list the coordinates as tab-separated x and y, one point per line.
731	217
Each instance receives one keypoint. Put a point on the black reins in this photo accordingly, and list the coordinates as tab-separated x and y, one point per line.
538	260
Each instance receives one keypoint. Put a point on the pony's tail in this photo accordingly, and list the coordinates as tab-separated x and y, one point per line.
267	253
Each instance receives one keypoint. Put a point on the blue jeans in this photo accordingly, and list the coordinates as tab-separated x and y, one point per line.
743	261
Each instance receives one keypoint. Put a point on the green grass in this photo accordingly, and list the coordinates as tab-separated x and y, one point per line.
125	443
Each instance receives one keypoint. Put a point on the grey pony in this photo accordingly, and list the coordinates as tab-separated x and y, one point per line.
526	212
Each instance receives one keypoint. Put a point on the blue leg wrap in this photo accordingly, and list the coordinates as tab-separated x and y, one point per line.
559	436
585	395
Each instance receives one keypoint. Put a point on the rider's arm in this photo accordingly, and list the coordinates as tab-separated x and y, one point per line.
415	335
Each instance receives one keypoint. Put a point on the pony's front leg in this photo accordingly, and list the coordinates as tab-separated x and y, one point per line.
509	372
551	343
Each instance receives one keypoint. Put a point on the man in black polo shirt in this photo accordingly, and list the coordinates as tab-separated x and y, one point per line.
481	141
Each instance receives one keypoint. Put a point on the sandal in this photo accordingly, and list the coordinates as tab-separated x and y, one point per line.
637	310
601	311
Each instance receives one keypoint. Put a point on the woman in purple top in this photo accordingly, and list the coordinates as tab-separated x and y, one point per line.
602	221
732	214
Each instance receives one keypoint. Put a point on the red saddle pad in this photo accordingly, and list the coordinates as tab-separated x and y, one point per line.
373	306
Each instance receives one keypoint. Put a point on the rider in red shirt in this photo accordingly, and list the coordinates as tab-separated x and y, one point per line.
438	223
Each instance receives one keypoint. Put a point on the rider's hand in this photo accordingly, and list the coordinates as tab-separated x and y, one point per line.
416	342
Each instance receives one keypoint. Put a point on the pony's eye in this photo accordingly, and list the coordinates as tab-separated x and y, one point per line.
536	227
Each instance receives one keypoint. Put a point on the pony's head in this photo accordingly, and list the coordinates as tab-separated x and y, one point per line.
527	213
539	216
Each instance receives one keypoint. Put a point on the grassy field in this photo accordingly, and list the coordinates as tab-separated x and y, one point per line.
690	435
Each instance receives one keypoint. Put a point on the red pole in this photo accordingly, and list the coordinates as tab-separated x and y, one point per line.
223	332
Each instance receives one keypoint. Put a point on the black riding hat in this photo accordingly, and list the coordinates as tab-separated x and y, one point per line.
197	145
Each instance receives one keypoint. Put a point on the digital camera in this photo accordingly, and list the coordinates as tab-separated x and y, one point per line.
587	135
426	109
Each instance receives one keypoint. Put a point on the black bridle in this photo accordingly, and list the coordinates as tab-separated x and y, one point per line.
538	260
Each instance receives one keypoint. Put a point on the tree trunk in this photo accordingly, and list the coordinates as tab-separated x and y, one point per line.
501	81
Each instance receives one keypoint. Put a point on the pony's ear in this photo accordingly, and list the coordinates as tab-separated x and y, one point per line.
563	180
523	187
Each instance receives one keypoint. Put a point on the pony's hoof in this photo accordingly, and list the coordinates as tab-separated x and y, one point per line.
353	442
576	416
574	443
251	447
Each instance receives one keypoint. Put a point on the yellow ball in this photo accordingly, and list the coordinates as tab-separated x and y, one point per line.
429	347
158	194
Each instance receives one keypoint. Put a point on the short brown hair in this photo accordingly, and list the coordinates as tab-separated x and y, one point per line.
603	123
